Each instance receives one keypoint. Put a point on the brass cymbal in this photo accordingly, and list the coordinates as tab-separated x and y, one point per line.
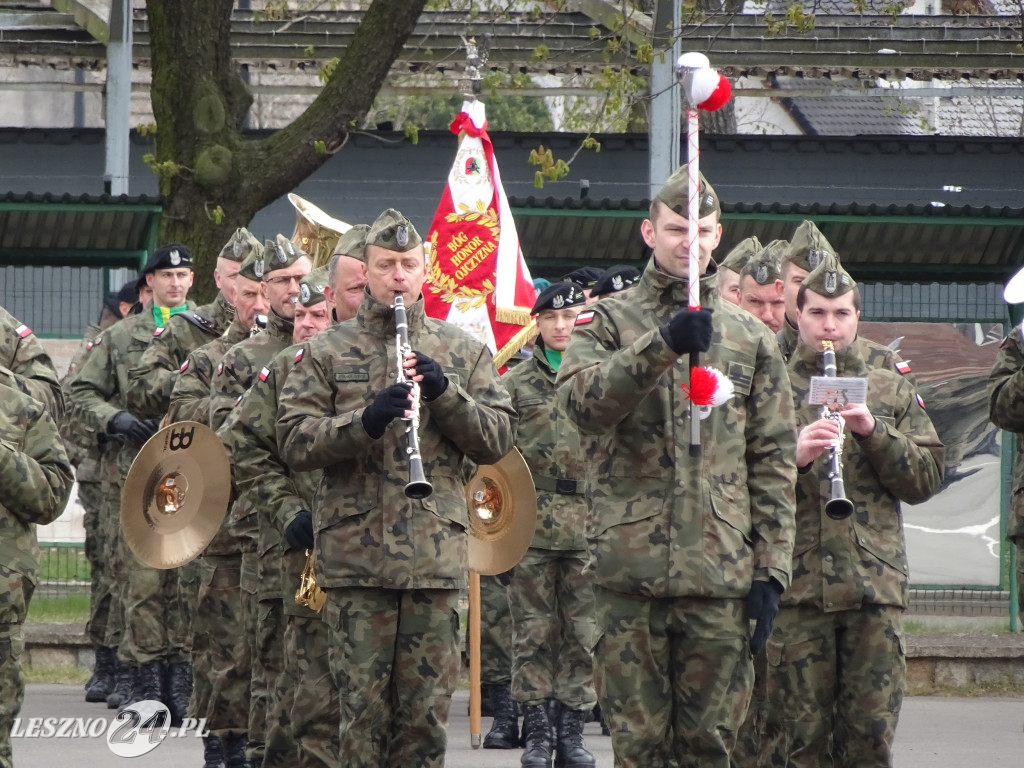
176	494
502	514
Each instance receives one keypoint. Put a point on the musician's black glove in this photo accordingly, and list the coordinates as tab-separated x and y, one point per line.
132	429
688	331
434	381
299	532
762	606
390	404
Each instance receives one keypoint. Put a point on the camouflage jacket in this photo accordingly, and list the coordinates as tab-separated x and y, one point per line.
550	443
190	396
25	366
153	374
1006	410
266	483
663	524
84	456
368	533
842	565
878	355
35	482
242	364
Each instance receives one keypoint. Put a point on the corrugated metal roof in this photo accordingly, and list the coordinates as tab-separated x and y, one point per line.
84	229
887	243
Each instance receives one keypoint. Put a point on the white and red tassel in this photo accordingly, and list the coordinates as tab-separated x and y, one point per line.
708	387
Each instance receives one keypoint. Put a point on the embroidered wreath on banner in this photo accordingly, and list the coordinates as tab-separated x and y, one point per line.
445	285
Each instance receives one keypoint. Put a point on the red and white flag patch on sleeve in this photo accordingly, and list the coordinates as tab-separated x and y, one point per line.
264	373
23	330
584	317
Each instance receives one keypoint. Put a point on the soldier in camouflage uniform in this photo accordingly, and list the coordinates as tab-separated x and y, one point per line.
97	488
281	268
836	658
729	268
346	271
25	365
552	601
585	276
761	285
393	567
615	279
1006	410
99	391
684	551
35	482
302	712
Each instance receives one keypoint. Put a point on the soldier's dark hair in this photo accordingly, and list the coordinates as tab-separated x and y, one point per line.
802	294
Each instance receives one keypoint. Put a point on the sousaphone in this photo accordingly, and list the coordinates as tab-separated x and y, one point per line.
176	495
502	506
316	232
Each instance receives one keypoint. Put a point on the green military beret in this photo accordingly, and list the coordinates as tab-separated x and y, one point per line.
829	279
353	243
807	247
765	266
250	265
675	194
311	287
393	232
241	244
278	254
739	255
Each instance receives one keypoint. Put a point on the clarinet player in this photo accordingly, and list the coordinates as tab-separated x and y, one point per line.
836	656
392	566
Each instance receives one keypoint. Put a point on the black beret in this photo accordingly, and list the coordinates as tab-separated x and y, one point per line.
170	256
616	278
561	295
585	276
128	293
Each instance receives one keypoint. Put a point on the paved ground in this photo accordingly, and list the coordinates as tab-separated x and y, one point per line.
934	733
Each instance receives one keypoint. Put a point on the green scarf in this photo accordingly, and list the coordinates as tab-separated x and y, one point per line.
554	357
163	314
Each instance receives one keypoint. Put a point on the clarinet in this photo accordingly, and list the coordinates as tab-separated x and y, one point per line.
417	487
838	507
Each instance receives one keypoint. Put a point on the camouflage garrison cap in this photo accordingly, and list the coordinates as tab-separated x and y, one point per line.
808	247
617	278
585	276
675	194
241	244
829	279
353	242
252	266
311	287
278	254
561	295
393	232
765	266
740	255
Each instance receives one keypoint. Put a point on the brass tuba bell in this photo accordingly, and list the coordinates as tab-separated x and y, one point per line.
316	233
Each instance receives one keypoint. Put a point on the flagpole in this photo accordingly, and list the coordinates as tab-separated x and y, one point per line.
693	245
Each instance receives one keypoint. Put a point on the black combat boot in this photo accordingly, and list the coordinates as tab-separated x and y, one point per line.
124	678
554	707
536	737
177	690
101	684
487	699
148	684
213	752
569	751
234	752
504	733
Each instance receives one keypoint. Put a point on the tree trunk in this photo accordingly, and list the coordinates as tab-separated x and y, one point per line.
212	178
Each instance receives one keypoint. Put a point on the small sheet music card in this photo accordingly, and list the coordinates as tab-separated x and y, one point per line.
835	391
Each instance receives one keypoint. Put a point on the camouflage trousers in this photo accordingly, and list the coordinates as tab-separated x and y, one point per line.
188	577
279	677
495	632
116	553
267	664
553	629
756	739
304	706
673	678
153	623
12	686
394	657
97	552
836	682
221	663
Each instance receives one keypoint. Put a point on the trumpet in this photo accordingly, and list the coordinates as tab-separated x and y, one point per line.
417	487
838	507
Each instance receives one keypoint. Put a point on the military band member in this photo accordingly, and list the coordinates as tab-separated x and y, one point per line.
35	482
685	551
761	286
393	567
585	276
551	598
347	273
25	366
837	666
730	267
617	279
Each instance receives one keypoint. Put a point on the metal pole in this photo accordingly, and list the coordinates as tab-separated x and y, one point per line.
119	91
666	101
